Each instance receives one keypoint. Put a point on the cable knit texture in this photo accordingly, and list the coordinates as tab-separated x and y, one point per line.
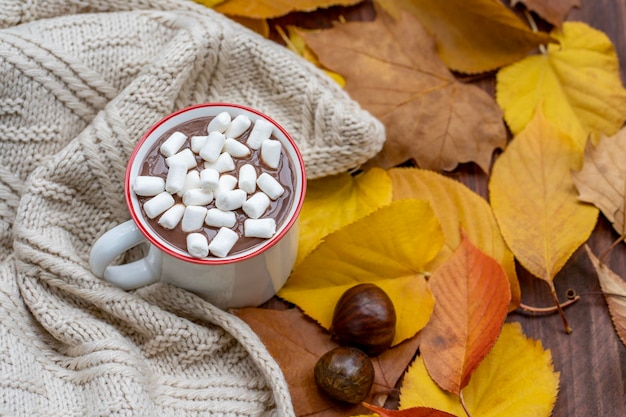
81	80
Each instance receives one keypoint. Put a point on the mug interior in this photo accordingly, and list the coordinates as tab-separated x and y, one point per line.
200	111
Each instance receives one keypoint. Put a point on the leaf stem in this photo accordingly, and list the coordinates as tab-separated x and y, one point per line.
608	250
568	329
462	401
552	309
533	26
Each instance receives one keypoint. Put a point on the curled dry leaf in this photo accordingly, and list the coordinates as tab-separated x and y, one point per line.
576	84
552	11
457	207
389	248
614	289
296	343
516	379
471	300
602	179
472	35
392	69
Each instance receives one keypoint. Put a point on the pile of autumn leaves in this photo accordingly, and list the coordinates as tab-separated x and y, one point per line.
445	255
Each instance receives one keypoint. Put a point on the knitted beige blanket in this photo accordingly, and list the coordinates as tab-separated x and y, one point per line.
80	81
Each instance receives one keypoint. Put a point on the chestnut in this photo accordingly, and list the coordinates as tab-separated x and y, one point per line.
365	318
345	374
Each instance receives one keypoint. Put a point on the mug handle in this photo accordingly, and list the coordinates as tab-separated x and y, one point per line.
115	242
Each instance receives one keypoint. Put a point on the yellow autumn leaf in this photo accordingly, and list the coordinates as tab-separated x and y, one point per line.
389	248
209	3
295	43
457	207
267	9
335	201
535	201
575	83
516	379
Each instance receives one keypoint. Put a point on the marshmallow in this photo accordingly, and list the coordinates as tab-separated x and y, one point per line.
148	186
172	216
197	197
270	152
176	177
270	186
197	245
235	148
158	204
197	142
256	205
263	228
230	200
209	179
185	157
192	180
213	146
224	163
220	218
227	182
223	242
193	218
219	123
261	131
247	178
239	125
173	144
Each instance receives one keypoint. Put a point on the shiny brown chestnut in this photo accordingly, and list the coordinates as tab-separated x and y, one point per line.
365	318
345	374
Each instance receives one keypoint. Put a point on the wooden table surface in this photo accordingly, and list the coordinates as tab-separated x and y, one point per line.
592	359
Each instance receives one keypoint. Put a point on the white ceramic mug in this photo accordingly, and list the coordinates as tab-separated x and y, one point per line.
248	278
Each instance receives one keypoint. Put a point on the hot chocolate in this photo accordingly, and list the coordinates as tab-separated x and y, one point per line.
216	176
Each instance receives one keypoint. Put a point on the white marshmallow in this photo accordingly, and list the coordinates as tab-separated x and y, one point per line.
235	148
209	179
193	218
219	123
224	163
148	186
185	157
247	178
158	204
197	142
256	205
270	186
213	146
173	144
192	180
172	216
197	197
220	218
197	245
239	125
270	152
223	242
230	200
264	228
261	131
227	182
176	176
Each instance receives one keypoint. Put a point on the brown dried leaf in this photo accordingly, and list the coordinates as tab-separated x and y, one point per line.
297	342
552	11
614	289
392	69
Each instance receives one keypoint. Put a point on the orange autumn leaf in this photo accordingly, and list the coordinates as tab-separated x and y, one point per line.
471	300
408	412
614	289
296	343
602	179
535	201
267	9
392	69
472	35
552	11
457	207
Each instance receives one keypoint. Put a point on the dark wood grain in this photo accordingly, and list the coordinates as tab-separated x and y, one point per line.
592	359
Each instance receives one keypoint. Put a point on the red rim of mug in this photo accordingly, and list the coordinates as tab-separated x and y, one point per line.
214	261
